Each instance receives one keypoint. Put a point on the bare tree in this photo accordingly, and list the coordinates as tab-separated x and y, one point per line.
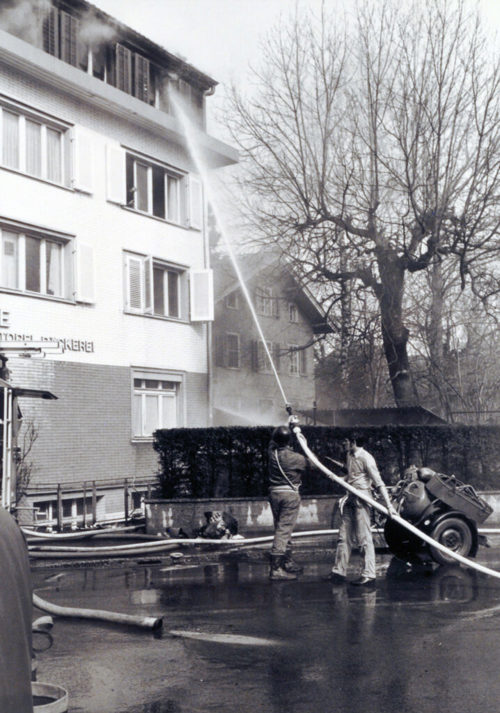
372	153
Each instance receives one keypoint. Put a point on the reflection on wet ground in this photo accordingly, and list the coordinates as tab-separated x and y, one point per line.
424	640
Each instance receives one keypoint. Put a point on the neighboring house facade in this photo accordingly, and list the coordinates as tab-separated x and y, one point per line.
103	248
245	388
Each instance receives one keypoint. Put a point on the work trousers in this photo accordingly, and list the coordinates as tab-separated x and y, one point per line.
285	506
355	529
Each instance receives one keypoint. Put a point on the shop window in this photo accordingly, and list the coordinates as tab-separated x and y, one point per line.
156	402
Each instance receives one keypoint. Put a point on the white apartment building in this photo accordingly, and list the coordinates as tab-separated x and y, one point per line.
103	250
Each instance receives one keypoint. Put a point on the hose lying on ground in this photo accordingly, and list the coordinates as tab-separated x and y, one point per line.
401	521
144	622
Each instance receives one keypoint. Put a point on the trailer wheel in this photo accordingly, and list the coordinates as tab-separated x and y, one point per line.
455	534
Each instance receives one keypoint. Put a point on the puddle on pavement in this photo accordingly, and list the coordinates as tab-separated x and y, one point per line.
405	646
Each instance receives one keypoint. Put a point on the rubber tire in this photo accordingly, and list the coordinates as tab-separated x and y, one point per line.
454	533
403	544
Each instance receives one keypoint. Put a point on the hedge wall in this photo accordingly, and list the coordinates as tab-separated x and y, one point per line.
232	462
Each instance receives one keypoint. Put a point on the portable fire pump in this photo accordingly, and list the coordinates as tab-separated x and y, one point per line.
444	508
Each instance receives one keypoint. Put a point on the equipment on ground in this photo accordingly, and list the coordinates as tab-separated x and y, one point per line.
441	506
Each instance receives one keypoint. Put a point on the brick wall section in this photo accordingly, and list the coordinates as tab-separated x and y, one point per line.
86	433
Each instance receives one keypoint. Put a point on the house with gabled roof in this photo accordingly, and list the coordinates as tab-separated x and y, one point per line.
244	386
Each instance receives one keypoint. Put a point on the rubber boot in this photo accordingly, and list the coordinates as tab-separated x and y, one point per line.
278	572
290	565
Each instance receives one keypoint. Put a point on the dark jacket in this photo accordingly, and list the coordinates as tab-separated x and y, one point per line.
15	619
293	465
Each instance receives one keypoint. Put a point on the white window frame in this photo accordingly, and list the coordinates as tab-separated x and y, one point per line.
174	216
146	392
167	271
64	267
147	264
44	123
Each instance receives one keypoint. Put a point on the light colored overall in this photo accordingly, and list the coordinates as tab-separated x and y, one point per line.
355	528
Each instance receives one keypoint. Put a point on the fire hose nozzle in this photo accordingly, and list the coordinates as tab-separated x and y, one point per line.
288	409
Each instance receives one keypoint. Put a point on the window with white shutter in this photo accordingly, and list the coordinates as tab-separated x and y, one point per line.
155	288
134	267
82	160
115	174
195	202
85	273
202	295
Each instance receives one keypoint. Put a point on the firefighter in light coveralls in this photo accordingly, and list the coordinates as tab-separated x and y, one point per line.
355	527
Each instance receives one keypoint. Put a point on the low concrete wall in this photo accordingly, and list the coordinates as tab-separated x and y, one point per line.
254	514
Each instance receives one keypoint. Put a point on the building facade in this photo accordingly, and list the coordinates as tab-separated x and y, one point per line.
245	387
103	248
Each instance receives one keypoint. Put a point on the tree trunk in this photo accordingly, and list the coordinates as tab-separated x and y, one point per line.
394	333
436	340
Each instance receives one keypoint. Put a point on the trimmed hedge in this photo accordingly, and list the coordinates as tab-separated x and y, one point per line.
232	461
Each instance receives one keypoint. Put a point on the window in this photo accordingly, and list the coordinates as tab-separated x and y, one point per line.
61	36
297	360
32	145
153	287
265	303
34	263
153	189
293	314
232	350
72	510
261	358
156	402
293	359
232	300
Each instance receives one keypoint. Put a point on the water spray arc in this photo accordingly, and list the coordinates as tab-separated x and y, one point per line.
187	128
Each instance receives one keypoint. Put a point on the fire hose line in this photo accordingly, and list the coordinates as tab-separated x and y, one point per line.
144	622
401	521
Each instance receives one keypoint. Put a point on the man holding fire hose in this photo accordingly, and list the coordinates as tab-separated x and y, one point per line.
362	473
285	475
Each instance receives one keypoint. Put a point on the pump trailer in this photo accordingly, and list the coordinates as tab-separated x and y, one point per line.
444	508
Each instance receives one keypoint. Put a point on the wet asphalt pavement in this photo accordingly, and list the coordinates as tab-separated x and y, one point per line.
420	642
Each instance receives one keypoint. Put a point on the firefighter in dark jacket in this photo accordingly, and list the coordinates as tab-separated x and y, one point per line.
285	475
